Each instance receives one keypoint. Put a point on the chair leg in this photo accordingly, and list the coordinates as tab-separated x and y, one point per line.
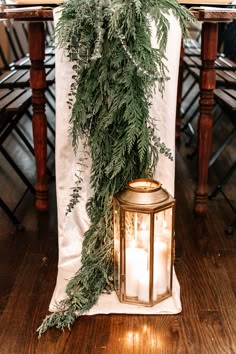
17	169
194	99
11	216
222	182
50	105
190	119
30	148
24	139
231	228
221	149
189	89
50	93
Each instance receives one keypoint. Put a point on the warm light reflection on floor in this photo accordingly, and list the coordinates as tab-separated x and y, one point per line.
134	338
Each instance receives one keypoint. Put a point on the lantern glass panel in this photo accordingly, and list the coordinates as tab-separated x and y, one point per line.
137	255
162	252
117	246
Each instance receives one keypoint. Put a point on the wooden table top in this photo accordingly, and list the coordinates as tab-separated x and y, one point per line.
212	14
43	13
209	14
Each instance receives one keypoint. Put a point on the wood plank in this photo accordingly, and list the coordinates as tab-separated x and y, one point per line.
23	62
14	78
188	61
231	92
223	96
226	61
20	102
42	14
24	79
228	76
4	92
197	61
6	75
9	98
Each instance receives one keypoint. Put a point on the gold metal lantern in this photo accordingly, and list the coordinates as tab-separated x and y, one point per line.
143	242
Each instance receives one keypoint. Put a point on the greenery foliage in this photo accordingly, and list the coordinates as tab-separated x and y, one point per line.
115	71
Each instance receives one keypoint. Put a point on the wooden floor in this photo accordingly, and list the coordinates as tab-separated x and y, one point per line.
28	267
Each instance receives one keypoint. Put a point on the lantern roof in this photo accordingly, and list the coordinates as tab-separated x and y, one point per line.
144	193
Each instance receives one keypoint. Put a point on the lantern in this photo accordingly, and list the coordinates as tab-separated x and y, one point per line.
143	243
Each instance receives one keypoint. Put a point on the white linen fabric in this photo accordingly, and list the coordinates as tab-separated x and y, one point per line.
71	227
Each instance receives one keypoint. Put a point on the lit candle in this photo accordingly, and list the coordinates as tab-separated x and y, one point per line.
143	287
160	268
143	235
136	263
161	230
165	232
158	226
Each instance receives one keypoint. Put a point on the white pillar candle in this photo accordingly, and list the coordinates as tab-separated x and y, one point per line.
143	287
165	233
158	225
160	268
136	263
143	234
161	230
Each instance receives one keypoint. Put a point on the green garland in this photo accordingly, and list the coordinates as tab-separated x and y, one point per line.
115	71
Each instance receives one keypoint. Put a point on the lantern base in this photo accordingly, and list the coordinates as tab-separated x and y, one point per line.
135	301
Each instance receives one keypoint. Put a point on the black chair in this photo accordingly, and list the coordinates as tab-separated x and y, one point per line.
17	37
225	75
224	111
15	72
226	99
13	105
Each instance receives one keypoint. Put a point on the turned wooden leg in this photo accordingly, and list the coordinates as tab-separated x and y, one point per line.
38	85
179	93
207	86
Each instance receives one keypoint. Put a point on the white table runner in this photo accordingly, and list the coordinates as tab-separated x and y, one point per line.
72	227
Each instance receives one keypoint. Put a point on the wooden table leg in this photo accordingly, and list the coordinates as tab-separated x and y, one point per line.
207	86
38	85
179	93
